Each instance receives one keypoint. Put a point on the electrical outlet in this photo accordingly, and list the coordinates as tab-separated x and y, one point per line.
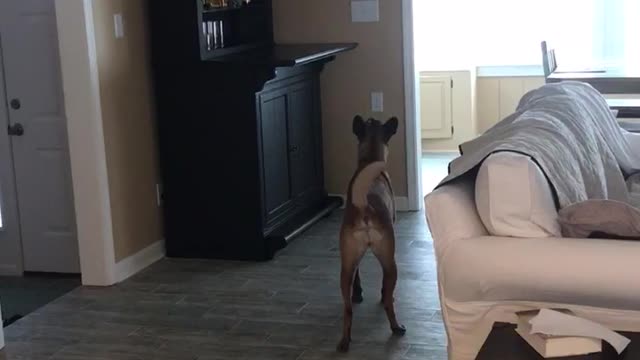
377	101
118	25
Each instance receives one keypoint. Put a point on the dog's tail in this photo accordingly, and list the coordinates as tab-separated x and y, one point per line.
363	181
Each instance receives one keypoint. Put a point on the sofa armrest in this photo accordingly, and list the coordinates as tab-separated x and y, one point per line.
451	215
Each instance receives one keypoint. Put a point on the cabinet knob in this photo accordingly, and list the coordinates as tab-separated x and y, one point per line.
15	104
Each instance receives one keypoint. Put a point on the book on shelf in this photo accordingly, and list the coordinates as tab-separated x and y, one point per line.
552	346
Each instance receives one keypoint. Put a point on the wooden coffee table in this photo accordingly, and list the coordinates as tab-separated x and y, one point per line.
505	344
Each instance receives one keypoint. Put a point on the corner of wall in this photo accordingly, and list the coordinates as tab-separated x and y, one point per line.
137	262
86	141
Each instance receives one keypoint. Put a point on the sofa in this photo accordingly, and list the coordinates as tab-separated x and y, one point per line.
486	277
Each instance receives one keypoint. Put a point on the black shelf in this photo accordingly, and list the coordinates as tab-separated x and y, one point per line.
233	49
229	9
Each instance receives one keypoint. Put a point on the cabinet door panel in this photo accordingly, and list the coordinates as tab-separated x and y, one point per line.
303	165
436	107
275	152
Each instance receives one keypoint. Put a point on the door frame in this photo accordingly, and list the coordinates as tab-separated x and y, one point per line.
8	191
412	125
79	65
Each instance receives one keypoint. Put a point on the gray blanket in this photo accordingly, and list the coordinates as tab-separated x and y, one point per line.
569	131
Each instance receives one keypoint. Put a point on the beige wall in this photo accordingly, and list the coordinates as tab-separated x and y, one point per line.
127	111
376	65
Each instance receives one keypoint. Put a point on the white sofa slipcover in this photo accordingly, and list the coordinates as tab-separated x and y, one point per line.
484	279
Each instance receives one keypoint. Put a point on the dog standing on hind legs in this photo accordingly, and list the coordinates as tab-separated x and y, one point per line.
368	222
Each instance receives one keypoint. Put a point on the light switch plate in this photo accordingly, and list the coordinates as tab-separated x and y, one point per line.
377	101
365	10
119	25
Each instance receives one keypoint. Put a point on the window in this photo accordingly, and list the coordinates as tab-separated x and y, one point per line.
466	33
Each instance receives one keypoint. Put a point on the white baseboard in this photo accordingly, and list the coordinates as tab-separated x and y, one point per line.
9	270
402	202
439	151
130	266
343	197
1	330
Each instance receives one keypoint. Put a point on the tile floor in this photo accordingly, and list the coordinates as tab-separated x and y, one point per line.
288	308
435	167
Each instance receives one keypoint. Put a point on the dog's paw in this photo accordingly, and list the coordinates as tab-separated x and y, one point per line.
357	298
343	346
399	330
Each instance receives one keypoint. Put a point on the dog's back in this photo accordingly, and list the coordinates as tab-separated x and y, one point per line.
370	200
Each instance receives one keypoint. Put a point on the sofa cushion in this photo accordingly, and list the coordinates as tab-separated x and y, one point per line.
513	197
607	218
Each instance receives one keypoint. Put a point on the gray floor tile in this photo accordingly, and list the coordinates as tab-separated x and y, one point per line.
288	308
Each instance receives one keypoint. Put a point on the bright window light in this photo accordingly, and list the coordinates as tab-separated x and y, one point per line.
454	34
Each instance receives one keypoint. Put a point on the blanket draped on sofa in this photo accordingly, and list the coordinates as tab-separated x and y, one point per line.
569	131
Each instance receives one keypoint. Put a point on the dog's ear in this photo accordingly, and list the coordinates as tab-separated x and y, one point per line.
359	126
390	128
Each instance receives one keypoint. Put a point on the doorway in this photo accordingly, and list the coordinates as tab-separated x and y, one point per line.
433	101
38	231
39	259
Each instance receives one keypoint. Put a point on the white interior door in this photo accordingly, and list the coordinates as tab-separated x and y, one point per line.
10	247
35	103
436	107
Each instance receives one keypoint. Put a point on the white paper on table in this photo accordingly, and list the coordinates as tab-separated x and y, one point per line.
555	323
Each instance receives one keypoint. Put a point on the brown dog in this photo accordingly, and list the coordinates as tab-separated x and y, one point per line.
368	222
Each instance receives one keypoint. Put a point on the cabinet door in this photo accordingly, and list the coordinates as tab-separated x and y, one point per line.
303	156
276	186
436	107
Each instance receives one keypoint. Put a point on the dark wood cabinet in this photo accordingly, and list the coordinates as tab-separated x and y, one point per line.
276	184
291	146
239	131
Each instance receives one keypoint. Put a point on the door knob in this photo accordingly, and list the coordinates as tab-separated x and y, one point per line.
16	130
15	104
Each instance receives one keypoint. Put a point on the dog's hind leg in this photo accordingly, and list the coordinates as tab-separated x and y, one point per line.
385	252
356	297
389	284
351	254
346	283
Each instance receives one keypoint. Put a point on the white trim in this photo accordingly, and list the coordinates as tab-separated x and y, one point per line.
343	197
10	270
1	330
139	261
402	202
440	151
86	141
413	141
